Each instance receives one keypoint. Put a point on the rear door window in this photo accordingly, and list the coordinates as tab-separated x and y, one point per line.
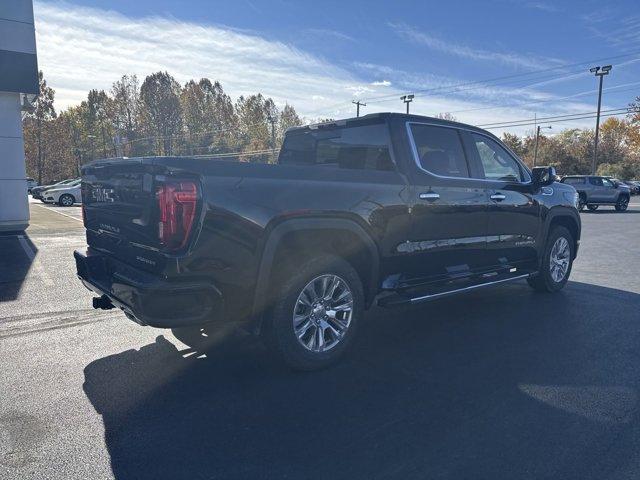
574	181
364	147
439	150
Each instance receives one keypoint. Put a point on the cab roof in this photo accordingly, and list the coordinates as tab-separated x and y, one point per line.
400	117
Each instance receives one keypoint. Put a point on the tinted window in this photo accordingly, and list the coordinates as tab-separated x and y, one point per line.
497	163
363	147
597	181
607	183
573	181
440	150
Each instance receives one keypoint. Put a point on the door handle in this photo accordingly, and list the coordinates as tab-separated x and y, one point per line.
431	196
498	197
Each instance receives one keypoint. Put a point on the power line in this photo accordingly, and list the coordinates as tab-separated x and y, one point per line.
562	120
544	119
517	75
556	99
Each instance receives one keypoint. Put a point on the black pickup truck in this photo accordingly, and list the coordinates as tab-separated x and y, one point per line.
386	208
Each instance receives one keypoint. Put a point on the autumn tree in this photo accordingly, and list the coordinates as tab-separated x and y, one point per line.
256	116
35	124
125	94
288	118
208	116
162	112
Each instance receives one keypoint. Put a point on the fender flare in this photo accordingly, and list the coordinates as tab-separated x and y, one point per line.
273	241
556	212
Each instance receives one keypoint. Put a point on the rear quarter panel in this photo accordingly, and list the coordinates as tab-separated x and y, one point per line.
244	202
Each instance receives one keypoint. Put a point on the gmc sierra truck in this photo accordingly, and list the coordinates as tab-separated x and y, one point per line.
387	208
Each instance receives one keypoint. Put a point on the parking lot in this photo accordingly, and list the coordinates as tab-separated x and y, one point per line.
499	383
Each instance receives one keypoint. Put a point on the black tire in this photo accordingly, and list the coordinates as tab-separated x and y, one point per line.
622	203
279	330
582	201
66	200
544	281
592	208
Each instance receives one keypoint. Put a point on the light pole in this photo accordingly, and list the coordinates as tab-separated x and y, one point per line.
358	104
599	72
535	150
407	99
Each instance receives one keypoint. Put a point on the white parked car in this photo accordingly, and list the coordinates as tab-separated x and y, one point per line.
63	195
31	183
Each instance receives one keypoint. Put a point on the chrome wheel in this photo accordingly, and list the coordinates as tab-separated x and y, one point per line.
66	200
322	313
560	259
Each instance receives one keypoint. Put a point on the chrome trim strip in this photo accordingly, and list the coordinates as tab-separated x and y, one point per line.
466	289
416	157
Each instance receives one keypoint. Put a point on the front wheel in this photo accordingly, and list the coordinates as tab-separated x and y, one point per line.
622	203
592	208
66	200
582	201
316	312
556	262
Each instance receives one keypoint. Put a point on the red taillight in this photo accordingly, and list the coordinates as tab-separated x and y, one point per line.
177	202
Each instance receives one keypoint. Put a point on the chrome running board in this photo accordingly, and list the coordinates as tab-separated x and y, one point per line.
395	300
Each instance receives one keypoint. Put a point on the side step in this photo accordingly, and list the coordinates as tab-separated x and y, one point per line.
397	299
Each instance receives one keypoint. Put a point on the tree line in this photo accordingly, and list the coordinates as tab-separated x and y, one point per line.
162	117
571	151
157	117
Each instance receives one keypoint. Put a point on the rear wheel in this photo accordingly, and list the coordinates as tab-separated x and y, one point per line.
316	313
622	203
556	262
66	200
592	208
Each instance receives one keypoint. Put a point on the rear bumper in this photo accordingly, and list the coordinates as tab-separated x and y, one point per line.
145	298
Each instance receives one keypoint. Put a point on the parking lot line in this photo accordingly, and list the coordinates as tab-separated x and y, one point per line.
61	213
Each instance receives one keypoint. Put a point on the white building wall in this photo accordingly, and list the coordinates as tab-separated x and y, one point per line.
14	207
17	36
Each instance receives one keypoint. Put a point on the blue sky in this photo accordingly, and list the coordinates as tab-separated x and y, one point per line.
321	55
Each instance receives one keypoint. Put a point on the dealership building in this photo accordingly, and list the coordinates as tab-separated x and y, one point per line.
18	84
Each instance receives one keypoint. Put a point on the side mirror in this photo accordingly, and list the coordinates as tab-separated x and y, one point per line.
543	176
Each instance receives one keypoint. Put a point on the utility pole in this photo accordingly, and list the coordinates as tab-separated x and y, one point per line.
358	104
272	121
599	72
535	150
407	99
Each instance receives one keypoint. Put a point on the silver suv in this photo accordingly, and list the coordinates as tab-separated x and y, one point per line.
594	191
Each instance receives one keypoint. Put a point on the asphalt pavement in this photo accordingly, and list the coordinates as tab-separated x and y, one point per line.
499	383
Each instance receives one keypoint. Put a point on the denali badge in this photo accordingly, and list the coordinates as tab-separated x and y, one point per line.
109	228
103	194
145	260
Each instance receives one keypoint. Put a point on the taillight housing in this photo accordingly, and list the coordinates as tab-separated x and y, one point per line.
177	202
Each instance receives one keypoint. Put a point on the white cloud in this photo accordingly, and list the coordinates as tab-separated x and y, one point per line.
83	48
515	60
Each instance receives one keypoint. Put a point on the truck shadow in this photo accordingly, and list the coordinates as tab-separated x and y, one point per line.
503	383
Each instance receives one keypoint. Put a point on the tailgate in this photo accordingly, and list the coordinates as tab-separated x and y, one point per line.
120	208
